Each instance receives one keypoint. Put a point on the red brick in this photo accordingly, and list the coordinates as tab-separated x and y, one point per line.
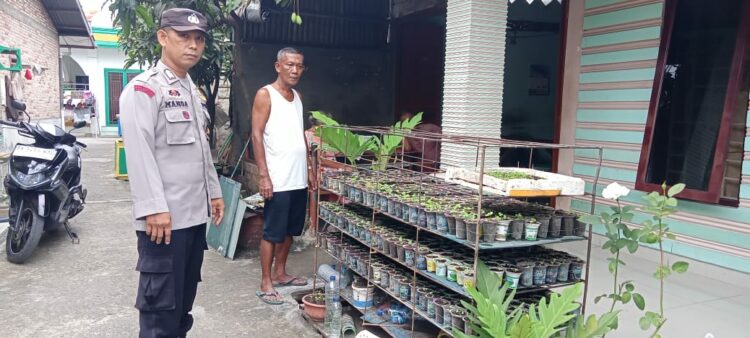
35	34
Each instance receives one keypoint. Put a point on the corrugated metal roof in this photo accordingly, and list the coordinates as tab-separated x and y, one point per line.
70	22
353	24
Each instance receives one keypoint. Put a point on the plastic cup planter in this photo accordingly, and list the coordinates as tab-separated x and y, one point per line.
527	274
422	254
555	224
512	277
540	273
501	234
441	267
430	261
471	230
458	313
516	229
543	220
450	223
441	222
489	230
532	231
460	228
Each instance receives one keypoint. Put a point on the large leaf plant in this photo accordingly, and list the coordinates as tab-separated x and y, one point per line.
352	145
489	316
385	146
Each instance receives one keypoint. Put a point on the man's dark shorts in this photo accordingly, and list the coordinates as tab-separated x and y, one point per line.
284	215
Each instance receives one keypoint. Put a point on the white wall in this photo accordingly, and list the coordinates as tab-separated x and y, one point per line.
93	62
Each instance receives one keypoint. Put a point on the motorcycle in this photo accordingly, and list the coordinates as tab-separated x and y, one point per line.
44	186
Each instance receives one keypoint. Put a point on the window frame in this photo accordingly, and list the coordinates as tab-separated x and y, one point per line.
713	194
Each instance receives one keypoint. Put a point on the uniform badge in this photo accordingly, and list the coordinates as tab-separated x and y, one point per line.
174	92
170	76
186	114
193	19
143	89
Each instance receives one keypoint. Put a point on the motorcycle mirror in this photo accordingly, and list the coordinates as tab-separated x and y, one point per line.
79	124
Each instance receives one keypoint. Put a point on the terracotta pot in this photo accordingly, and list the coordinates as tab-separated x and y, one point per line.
314	311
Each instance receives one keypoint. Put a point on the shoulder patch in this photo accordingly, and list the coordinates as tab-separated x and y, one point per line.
144	89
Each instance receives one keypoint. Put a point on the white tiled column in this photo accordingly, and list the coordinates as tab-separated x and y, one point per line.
474	62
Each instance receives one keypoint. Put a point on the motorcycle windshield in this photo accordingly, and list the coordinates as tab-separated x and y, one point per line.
54	134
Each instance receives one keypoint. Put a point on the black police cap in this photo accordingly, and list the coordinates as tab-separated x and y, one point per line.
183	20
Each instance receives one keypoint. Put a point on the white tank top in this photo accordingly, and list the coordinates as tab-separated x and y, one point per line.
284	143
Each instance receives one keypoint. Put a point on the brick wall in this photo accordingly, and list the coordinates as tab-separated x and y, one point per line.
26	25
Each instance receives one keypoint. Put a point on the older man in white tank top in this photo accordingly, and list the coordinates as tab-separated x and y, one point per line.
281	155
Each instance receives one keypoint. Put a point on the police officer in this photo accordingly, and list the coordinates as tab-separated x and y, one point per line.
172	179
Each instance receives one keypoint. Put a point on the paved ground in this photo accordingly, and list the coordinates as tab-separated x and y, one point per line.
88	290
706	299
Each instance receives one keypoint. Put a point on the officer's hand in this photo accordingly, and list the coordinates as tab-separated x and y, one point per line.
159	226
266	187
217	210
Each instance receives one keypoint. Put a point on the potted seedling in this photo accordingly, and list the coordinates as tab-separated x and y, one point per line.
430	207
503	224
441	221
315	305
516	226
470	219
489	226
543	220
451	217
532	229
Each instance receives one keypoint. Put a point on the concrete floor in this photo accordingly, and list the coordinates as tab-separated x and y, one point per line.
88	290
705	300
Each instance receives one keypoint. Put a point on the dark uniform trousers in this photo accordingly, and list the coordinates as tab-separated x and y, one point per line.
169	276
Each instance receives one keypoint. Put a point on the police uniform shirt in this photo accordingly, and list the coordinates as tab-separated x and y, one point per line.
168	156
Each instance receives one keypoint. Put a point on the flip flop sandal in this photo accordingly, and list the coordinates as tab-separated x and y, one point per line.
264	296
296	281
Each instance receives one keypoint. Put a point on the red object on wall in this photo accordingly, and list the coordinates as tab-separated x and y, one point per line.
27	75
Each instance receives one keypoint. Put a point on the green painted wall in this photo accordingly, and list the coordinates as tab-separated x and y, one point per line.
591	132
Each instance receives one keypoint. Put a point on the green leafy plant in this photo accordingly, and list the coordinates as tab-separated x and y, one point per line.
492	317
619	237
385	146
468	213
509	175
344	141
655	231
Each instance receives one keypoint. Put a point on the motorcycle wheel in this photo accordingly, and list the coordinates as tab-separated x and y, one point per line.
20	244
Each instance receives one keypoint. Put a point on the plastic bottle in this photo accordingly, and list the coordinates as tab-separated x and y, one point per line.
333	309
334	329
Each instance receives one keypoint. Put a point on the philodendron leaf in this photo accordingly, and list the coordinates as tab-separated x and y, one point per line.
680	267
325	120
596	327
523	328
676	189
550	317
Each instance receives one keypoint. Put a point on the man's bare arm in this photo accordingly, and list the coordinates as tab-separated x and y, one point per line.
260	114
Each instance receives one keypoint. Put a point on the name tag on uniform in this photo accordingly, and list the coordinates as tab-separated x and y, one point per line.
174	97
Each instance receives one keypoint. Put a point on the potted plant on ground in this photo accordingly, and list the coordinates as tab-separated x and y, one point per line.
315	305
